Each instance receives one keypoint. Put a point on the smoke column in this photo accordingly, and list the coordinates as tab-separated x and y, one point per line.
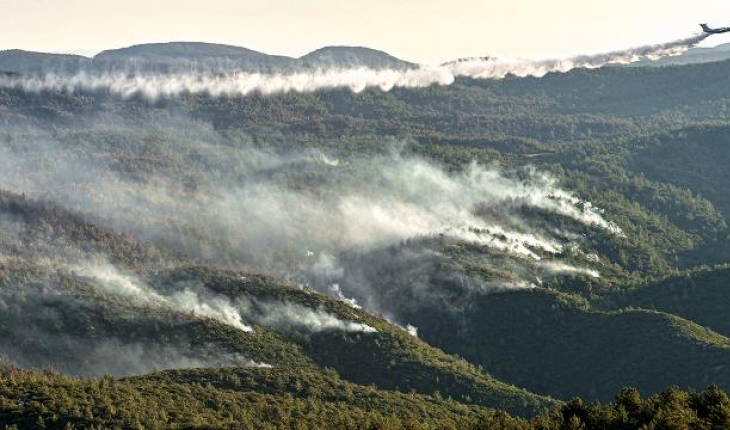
154	86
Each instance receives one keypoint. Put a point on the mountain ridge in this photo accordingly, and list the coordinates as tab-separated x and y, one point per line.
188	55
200	56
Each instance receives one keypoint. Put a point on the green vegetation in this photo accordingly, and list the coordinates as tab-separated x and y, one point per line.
554	344
499	336
275	399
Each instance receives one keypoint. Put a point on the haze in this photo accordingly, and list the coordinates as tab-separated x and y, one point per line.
426	31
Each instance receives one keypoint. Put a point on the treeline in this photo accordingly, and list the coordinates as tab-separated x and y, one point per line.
285	399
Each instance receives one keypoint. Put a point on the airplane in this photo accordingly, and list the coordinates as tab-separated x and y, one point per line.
709	30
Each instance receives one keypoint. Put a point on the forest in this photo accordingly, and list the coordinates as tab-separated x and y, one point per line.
520	253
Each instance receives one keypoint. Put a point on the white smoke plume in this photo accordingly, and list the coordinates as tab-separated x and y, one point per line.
284	315
496	68
562	268
334	290
108	279
118	358
154	86
113	357
408	328
412	330
52	319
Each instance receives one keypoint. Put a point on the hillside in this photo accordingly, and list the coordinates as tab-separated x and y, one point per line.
700	296
445	256
186	56
196	56
547	343
691	158
273	399
219	399
96	315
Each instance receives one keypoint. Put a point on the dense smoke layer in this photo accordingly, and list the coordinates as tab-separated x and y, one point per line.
380	231
267	207
154	86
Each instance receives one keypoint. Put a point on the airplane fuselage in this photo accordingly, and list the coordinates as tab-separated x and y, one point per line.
709	30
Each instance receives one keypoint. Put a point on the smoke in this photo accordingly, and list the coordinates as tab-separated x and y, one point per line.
46	320
408	328
155	86
335	291
192	298
395	234
262	210
116	358
495	68
387	232
288	316
412	330
111	281
562	268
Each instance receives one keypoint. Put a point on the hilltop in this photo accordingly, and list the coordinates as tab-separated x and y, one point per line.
196	56
181	56
19	61
353	56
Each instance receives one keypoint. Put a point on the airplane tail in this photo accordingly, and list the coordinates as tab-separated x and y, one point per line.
705	28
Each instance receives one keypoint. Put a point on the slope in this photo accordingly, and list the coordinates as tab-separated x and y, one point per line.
695	158
554	344
65	305
224	398
702	296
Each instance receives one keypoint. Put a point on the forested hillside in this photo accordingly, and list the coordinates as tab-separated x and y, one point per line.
472	255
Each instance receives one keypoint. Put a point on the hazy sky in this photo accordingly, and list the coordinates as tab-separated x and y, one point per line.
426	31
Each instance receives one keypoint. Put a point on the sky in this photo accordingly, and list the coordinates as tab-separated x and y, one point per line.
424	31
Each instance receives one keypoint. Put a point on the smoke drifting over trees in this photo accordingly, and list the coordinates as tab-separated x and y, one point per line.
316	219
487	242
218	80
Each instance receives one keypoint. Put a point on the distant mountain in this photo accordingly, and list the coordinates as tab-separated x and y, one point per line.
353	56
189	55
197	56
209	56
19	61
